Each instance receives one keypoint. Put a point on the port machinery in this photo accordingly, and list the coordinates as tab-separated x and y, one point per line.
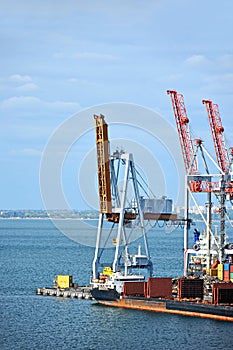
113	206
120	217
209	247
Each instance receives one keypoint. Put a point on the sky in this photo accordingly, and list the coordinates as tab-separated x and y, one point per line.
65	58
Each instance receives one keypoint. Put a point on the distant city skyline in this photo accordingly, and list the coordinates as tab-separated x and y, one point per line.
62	58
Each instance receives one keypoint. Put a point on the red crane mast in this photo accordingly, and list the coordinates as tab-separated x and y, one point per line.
217	131
182	123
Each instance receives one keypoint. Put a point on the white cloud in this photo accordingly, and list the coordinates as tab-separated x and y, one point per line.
19	102
63	106
18	78
27	87
196	60
32	104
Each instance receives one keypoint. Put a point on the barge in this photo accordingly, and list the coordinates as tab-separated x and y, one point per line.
193	309
157	295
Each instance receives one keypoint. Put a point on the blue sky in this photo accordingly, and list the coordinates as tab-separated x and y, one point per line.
58	58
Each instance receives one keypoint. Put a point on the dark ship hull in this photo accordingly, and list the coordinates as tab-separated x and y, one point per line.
185	308
105	294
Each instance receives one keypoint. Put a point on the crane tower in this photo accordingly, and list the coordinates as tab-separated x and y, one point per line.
114	207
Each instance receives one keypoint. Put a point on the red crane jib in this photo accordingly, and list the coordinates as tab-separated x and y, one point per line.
182	123
217	131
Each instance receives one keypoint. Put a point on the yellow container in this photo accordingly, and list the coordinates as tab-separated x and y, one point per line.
220	272
64	281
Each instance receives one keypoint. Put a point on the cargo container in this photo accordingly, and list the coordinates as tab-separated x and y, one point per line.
231	276
159	288
220	272
226	267
135	289
190	288
226	275
231	268
222	293
156	205
64	281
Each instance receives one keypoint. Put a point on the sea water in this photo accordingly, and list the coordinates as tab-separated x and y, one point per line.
33	252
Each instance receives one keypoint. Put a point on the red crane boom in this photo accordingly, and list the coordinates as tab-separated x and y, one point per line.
217	131
182	122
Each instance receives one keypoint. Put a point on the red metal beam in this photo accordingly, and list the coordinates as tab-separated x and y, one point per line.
217	131
182	123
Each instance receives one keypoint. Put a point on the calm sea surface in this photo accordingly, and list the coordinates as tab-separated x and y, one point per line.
33	252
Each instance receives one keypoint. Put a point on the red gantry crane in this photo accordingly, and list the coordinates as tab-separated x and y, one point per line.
203	183
224	163
195	182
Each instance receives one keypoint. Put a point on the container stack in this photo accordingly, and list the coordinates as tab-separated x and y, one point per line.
231	272
225	272
154	288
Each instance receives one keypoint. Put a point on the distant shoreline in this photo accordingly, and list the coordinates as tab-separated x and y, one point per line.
50	218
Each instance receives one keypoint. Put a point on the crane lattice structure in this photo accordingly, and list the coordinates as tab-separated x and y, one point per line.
194	181
182	123
224	165
114	207
203	183
217	131
103	162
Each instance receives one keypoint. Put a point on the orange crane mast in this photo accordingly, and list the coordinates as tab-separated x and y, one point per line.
103	163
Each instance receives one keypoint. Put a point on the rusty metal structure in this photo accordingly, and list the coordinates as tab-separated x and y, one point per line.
103	163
